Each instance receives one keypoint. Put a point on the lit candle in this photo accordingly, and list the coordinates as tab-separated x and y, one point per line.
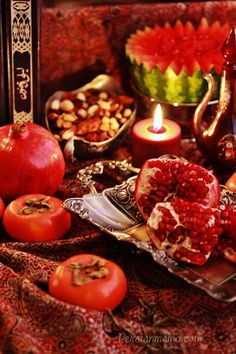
155	137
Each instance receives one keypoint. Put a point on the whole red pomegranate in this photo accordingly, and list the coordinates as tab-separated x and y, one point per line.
186	231
31	161
164	179
227	241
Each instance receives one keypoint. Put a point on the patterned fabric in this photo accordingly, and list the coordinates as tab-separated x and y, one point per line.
89	40
160	313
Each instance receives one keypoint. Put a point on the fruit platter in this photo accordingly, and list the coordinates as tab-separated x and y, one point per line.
207	264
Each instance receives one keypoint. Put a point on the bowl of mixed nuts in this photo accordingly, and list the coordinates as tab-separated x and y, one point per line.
95	117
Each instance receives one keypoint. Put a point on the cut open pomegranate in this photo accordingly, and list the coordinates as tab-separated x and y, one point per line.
164	179
186	231
181	203
227	241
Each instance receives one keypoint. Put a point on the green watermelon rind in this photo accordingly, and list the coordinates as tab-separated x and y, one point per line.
169	86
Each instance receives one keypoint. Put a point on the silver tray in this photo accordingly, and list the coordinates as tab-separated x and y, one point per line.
114	212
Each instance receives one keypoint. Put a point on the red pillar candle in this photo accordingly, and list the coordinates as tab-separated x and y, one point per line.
155	137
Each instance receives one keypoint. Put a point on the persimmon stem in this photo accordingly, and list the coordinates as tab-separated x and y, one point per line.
94	270
35	205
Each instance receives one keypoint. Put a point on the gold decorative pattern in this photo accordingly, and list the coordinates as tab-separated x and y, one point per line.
21	60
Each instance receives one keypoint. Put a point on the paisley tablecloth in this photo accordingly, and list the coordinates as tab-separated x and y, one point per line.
160	313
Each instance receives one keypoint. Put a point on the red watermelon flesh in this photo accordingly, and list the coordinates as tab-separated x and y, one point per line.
180	46
168	63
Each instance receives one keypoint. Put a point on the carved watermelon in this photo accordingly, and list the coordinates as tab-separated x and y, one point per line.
168	63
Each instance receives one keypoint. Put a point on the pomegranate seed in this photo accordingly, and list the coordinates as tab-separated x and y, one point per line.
172	238
169	228
206	248
199	259
181	239
179	230
193	234
162	237
161	226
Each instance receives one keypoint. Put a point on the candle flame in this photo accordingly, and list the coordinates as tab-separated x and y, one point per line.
157	121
